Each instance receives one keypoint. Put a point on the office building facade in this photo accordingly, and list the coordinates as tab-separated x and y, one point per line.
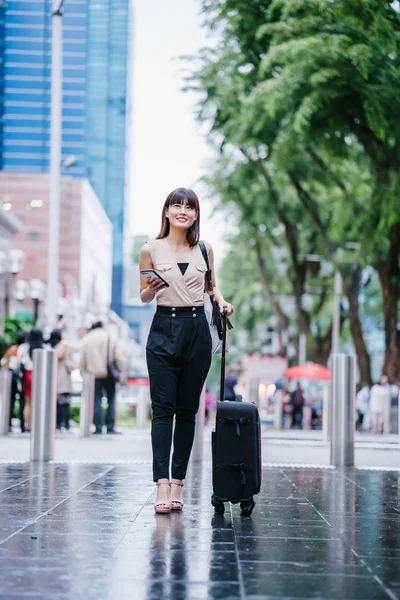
85	239
94	111
107	116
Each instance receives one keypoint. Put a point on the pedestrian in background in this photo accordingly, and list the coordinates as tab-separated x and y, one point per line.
12	362
179	345
362	404
25	353
65	366
380	403
230	383
101	356
208	402
297	402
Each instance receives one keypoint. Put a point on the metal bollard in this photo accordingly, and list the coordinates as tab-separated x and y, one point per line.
325	413
142	408
5	400
44	403
343	410
278	413
197	451
87	405
398	416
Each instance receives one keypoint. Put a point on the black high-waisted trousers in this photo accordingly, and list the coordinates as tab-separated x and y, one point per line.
178	359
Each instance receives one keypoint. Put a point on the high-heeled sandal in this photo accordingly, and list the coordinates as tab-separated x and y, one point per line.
176	504
162	506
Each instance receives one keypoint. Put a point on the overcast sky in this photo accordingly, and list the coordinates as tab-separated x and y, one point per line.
168	150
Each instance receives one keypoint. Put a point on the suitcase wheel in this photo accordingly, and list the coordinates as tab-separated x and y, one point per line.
247	507
218	505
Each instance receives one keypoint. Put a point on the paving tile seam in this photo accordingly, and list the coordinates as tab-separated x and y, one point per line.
395	446
357	484
28	480
273	465
297	465
49	509
376	577
25	525
308	500
389	592
370	492
243	595
288	537
121	461
19	530
322	575
294	563
134	520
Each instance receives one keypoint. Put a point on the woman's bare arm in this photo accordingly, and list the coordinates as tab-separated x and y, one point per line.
147	290
217	293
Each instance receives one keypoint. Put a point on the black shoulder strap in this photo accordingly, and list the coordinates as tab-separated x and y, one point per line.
203	249
211	290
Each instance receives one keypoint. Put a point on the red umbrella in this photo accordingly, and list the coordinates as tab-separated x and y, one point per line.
308	371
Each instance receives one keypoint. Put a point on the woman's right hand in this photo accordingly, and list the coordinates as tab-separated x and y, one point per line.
154	286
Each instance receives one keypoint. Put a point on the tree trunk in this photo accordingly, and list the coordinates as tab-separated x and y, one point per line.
390	298
389	275
352	289
278	312
321	348
298	284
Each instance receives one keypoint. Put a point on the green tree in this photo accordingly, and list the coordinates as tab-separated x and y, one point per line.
266	223
306	92
336	67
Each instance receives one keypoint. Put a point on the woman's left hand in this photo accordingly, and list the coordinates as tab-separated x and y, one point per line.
223	304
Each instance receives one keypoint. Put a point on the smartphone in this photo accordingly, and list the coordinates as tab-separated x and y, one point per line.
154	275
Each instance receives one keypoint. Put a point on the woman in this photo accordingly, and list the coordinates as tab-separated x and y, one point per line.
25	353
179	346
65	367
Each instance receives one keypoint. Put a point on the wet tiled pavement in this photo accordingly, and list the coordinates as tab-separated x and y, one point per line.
83	531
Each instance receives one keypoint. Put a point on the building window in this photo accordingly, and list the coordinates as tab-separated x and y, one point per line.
33	236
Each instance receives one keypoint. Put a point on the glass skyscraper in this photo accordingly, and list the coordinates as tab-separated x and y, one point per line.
107	97
95	64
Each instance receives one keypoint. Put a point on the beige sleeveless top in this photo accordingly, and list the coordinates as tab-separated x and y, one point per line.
183	290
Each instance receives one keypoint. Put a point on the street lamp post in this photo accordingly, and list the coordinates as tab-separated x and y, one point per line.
55	163
11	263
37	292
338	290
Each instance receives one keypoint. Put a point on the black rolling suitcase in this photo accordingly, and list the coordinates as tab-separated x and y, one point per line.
236	450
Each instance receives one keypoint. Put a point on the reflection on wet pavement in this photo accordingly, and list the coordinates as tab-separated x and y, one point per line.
84	531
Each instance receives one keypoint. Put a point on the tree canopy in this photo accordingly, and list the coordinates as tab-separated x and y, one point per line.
301	97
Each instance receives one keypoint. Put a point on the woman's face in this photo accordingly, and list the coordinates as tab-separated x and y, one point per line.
181	216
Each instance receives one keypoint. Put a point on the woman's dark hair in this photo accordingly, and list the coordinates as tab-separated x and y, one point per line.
182	196
55	337
35	340
22	336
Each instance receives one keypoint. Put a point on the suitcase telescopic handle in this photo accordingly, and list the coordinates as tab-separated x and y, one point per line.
224	328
